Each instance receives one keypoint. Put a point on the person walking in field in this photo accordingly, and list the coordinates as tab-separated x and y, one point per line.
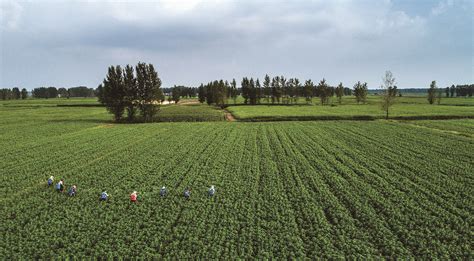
163	191
60	186
133	197
72	190
50	181
187	193
212	191
104	196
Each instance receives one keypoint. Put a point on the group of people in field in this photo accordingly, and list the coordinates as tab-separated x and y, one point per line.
61	187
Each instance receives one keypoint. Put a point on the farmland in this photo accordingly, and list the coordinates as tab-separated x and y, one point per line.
284	189
405	108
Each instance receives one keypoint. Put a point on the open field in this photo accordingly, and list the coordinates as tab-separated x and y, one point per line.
405	108
284	189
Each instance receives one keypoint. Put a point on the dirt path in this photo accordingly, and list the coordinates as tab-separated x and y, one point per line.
228	115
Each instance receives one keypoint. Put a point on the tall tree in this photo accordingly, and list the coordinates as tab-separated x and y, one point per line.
360	92
323	91
339	92
149	92
389	92
452	90
234	92
16	93
24	94
258	90
131	92
308	91
432	92
245	87
201	93
176	94
113	96
266	88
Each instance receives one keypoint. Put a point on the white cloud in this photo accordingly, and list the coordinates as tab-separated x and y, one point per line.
442	7
10	14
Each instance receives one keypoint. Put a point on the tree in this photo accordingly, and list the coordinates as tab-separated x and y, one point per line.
440	94
201	94
323	91
360	92
447	92
389	92
308	91
339	92
266	88
245	86
233	91
63	93
24	94
452	90
432	92
149	92
16	93
175	94
113	92
295	90
131	92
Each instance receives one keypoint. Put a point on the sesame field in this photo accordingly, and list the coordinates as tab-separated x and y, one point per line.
299	189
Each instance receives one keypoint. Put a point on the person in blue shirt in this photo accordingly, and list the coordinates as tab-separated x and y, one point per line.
104	196
60	186
187	193
72	190
50	181
163	191
212	191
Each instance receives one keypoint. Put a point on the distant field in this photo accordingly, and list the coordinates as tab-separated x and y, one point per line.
406	107
285	190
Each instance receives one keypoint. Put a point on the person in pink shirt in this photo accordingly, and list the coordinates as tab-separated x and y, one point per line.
133	197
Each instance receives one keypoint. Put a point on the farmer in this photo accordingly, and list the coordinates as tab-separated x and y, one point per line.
103	196
50	181
163	191
72	190
60	186
133	197
187	193
212	191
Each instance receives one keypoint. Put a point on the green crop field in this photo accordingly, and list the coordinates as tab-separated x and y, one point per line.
324	189
405	108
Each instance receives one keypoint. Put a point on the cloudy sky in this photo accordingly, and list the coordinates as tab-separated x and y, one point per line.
71	43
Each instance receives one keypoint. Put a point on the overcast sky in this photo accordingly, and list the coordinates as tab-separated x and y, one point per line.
71	43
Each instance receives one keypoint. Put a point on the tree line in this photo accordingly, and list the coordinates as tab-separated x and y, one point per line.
131	89
277	90
466	90
13	94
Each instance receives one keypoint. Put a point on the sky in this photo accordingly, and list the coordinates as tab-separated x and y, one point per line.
72	43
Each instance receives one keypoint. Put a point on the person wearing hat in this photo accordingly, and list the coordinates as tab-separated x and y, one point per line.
72	191
212	191
163	191
60	186
187	193
133	197
103	196
50	181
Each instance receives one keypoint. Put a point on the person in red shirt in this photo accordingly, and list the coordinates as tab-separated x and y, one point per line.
133	197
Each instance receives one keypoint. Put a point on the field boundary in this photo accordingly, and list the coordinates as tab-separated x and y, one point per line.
351	118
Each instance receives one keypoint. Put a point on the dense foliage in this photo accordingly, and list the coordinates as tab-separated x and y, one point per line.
291	190
133	90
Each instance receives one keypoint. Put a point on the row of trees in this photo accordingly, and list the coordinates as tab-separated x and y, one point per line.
13	94
459	91
131	89
276	90
53	92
